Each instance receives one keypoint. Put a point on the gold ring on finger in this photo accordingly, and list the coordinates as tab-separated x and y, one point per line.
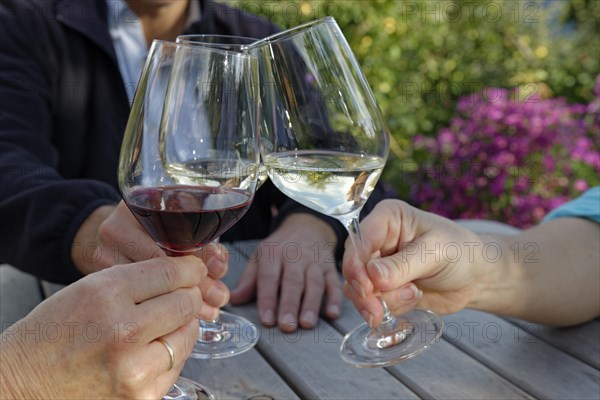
170	350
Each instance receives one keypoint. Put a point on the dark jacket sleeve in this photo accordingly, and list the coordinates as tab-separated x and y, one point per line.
40	211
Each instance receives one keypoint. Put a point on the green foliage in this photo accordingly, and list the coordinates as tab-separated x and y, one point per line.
420	56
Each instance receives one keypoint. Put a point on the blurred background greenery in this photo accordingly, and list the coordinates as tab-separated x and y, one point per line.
421	56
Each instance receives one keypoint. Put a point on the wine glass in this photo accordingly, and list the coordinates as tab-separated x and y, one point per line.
209	143
142	177
189	161
327	152
232	43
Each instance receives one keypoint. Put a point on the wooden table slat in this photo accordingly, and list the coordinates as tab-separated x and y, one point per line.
582	342
316	356
241	377
530	363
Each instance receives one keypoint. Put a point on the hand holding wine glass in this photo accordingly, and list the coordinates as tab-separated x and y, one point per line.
127	358
328	153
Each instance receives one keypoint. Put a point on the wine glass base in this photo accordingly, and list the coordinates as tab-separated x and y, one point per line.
186	389
421	329
230	336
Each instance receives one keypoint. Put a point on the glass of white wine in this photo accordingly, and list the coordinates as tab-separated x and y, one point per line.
236	44
328	147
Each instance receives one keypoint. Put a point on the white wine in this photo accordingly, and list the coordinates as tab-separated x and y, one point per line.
333	183
215	173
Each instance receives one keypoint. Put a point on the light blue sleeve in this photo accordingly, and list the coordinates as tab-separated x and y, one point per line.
585	206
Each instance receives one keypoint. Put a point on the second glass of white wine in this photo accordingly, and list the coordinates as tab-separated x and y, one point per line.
236	44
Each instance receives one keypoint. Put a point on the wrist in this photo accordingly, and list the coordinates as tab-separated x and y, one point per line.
319	228
495	277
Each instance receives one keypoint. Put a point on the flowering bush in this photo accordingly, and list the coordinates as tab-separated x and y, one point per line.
507	158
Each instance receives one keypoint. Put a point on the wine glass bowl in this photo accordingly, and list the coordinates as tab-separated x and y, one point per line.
185	218
327	149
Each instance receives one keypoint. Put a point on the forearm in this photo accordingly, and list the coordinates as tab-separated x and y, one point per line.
549	274
44	249
40	213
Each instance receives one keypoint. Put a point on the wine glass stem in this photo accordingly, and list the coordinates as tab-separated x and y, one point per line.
353	228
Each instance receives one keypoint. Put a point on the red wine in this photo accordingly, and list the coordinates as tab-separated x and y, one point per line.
182	219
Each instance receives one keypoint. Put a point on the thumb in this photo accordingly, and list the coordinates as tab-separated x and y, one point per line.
409	264
245	289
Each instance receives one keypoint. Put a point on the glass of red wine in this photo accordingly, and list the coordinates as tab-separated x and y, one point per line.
190	158
142	177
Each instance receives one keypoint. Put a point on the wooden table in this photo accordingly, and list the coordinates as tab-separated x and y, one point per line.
480	356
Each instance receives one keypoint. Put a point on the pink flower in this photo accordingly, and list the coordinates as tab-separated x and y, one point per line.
580	185
512	161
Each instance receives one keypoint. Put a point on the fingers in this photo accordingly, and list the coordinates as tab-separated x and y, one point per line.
355	273
216	258
403	299
267	288
151	278
368	306
124	238
181	342
317	284
333	289
292	287
384	230
313	293
174	310
215	294
245	289
145	371
408	264
398	301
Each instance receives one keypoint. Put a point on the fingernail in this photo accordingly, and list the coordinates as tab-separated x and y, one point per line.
289	321
410	293
358	288
382	270
309	318
368	317
215	296
268	318
333	311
